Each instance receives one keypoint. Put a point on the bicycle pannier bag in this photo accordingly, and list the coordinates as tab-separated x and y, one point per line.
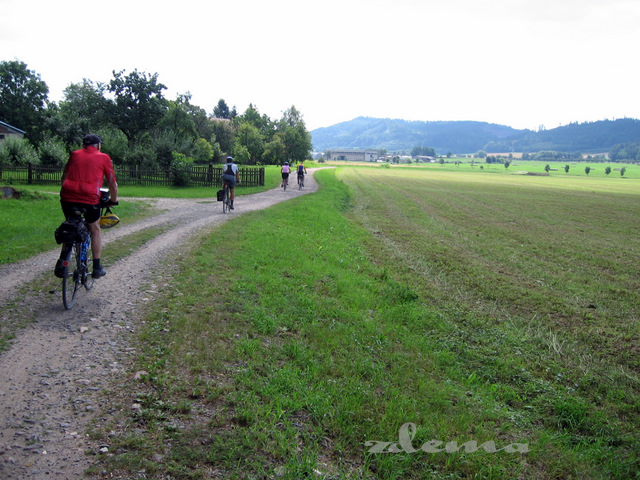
72	230
220	195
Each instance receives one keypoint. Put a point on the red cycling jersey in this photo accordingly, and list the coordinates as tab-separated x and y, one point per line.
83	176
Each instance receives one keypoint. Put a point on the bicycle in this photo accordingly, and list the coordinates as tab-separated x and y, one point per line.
76	253
300	181
226	198
285	181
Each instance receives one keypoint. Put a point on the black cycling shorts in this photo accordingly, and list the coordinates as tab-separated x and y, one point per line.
91	212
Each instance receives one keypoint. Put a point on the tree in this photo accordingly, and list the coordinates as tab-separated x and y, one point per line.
296	138
221	110
83	110
566	168
274	150
587	170
622	171
23	98
250	137
17	151
138	105
547	167
224	134
607	170
418	151
52	152
177	121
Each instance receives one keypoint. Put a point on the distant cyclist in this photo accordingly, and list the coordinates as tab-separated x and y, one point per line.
82	178
231	175
302	171
285	174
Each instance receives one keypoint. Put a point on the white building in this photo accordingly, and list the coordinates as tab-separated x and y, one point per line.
352	155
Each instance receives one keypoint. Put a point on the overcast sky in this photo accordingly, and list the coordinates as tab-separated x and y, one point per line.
522	63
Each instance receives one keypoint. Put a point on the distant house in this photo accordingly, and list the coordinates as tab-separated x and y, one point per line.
352	155
7	130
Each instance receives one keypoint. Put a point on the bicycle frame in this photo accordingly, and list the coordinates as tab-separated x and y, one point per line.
226	198
77	258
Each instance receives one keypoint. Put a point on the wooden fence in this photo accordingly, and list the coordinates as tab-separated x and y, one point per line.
195	176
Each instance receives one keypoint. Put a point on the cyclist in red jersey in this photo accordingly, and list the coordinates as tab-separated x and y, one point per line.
82	179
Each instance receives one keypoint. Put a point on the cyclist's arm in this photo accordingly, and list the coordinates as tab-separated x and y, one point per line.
113	191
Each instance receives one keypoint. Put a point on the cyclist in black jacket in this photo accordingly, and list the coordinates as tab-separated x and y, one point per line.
231	175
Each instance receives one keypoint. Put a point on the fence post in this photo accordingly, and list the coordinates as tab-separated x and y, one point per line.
30	174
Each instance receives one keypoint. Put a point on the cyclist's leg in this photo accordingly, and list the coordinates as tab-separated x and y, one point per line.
96	248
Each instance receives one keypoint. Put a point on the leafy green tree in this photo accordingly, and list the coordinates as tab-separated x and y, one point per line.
221	110
296	138
418	151
115	144
263	123
138	104
607	170
178	122
23	98
622	171
53	152
274	151
566	168
203	151
84	109
224	134
250	137
587	170
180	168
17	151
547	167
241	154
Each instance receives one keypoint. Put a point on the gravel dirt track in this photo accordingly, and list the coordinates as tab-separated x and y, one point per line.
52	376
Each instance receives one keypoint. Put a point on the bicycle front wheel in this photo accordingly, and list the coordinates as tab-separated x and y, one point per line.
225	201
72	279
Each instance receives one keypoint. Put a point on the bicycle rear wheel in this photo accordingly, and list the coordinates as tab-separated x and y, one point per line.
225	200
72	279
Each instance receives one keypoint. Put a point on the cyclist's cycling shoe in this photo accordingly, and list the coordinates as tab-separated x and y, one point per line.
59	271
97	273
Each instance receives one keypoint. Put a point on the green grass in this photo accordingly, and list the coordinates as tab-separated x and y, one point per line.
477	307
29	223
519	167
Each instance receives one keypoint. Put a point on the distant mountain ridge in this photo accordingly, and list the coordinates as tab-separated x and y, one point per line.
458	137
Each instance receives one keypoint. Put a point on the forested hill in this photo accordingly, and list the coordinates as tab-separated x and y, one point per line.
470	137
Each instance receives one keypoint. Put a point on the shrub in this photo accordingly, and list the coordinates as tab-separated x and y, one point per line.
17	151
180	169
53	152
